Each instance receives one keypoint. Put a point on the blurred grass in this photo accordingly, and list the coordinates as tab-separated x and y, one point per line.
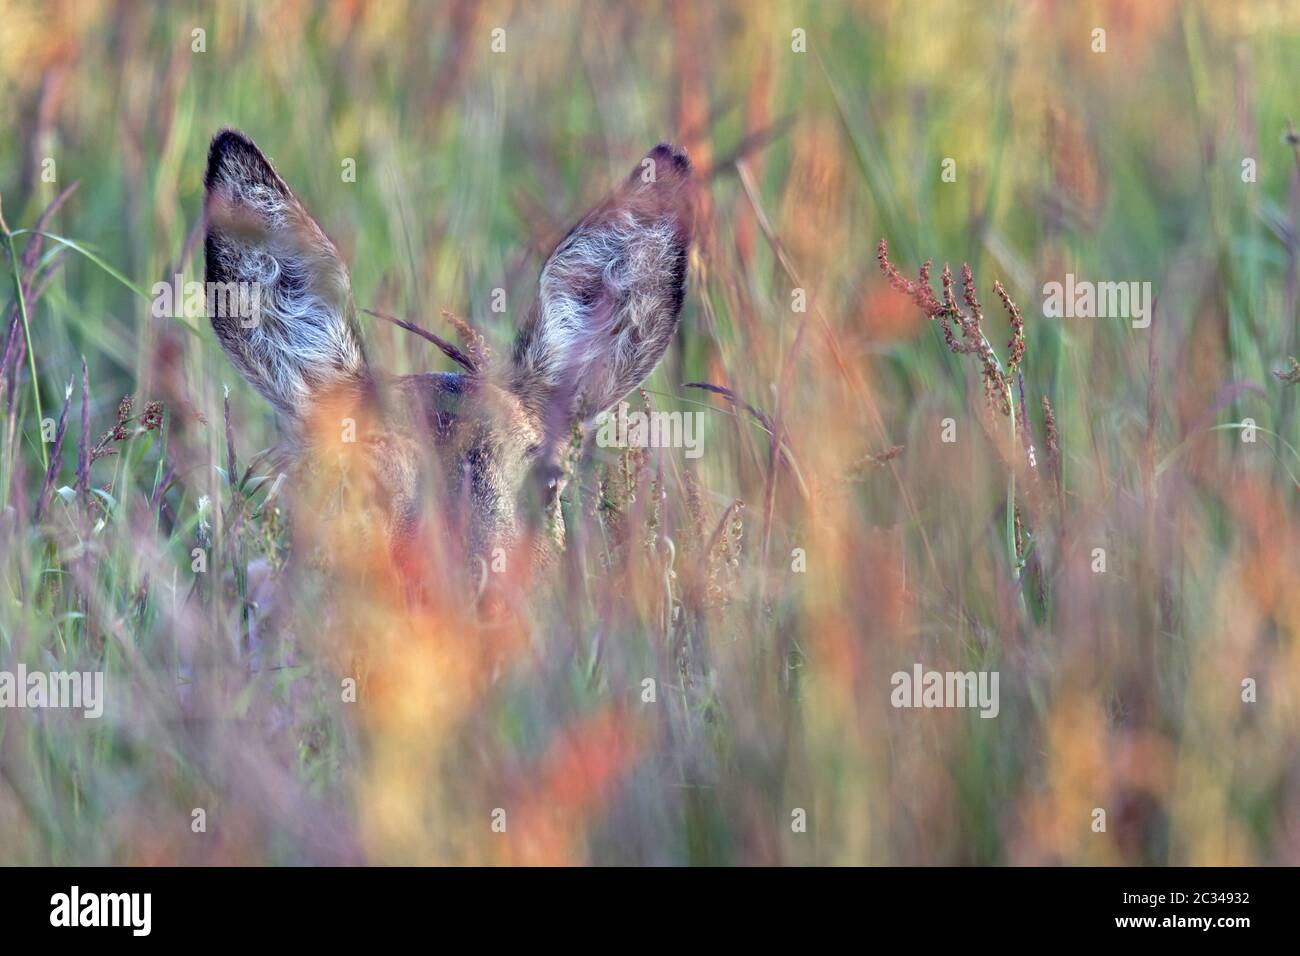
1121	691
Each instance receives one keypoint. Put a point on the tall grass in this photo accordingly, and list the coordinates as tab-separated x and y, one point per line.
1121	689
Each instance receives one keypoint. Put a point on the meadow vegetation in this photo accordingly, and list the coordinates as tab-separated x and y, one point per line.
1112	528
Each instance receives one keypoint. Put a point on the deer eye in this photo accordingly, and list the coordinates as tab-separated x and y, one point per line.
548	478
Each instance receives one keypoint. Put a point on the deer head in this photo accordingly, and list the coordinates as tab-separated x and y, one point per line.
475	454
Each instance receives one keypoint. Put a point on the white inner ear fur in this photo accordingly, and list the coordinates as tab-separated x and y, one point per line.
301	337
635	262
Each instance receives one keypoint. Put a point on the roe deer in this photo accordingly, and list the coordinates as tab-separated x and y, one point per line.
609	298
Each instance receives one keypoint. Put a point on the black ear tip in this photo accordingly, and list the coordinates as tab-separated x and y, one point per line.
230	138
232	156
671	157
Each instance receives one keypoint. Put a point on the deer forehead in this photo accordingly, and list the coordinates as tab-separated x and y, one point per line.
464	412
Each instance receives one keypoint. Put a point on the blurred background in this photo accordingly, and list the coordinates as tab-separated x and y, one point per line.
769	588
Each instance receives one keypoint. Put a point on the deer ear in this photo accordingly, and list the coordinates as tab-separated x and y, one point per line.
609	296
303	343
